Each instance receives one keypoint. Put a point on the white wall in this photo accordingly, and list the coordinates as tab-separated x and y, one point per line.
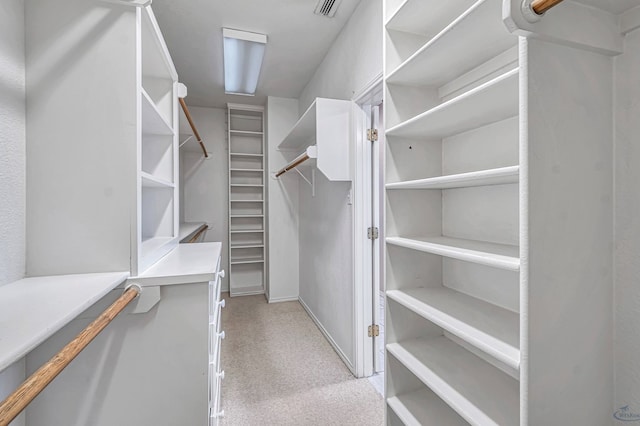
281	115
205	182
355	58
12	162
627	226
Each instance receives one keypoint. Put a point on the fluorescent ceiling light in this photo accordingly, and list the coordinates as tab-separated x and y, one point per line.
243	54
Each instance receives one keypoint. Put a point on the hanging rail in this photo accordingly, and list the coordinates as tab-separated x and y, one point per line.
30	388
541	6
193	126
311	152
200	232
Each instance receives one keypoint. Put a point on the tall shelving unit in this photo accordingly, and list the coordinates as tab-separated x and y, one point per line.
498	213
247	195
452	221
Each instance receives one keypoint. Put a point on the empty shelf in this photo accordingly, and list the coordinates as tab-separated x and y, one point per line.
246	246
422	408
490	328
503	175
246	185
242	154
493	101
246	201
246	215
247	170
151	244
153	123
490	254
472	39
246	231
479	392
150	181
247	261
426	17
245	133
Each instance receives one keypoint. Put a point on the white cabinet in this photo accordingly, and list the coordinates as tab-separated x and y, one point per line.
103	139
493	142
247	195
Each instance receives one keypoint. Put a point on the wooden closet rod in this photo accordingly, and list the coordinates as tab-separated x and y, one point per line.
541	6
30	388
200	232
295	163
193	126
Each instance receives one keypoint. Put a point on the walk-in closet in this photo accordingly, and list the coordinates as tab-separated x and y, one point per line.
350	212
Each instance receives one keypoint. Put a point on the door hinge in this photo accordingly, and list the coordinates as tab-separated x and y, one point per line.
372	135
374	330
372	233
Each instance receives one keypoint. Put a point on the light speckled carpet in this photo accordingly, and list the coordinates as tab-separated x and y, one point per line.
280	370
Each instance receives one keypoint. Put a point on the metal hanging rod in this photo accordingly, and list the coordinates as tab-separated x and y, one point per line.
193	126
541	6
310	152
30	388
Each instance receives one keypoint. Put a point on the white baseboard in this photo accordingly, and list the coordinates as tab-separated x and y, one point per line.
329	338
282	299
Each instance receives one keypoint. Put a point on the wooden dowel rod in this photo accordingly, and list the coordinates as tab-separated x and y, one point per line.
293	165
195	237
183	104
541	6
21	397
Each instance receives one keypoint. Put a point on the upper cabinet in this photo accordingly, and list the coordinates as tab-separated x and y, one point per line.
103	151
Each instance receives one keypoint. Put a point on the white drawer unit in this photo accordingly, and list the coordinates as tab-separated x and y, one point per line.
216	336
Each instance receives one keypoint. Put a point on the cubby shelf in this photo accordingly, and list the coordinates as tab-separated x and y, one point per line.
420	408
499	176
426	17
500	256
488	327
150	181
153	123
476	390
457	47
492	101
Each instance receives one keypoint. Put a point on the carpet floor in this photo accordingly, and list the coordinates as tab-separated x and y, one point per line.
280	370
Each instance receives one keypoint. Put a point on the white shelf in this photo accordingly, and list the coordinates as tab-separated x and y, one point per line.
422	408
479	392
33	309
149	245
247	170
472	39
153	123
248	290
490	328
246	201
246	231
150	181
242	154
500	176
246	215
303	133
492	101
247	246
245	133
500	256
246	185
426	17
246	261
187	263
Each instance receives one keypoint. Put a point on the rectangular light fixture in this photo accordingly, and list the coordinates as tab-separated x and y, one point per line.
243	54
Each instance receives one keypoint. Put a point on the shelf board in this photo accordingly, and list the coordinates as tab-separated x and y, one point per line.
246	185
245	133
150	181
247	170
479	392
247	246
426	17
490	328
423	408
490	102
247	291
151	244
500	176
246	215
246	231
500	256
242	154
303	132
153	123
246	261
473	38
246	201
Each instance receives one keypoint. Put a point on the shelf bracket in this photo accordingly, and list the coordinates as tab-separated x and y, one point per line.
312	182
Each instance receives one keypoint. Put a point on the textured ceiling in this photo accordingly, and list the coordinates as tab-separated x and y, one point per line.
297	42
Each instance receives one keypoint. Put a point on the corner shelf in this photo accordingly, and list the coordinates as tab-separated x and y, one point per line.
500	256
499	176
493	101
488	327
457	47
326	124
483	395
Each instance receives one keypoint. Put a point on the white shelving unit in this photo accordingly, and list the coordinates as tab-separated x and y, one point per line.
498	188
247	195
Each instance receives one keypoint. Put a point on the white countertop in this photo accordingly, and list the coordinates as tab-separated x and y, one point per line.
187	263
33	309
189	229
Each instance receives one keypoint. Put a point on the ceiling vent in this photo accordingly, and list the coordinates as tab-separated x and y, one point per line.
327	8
